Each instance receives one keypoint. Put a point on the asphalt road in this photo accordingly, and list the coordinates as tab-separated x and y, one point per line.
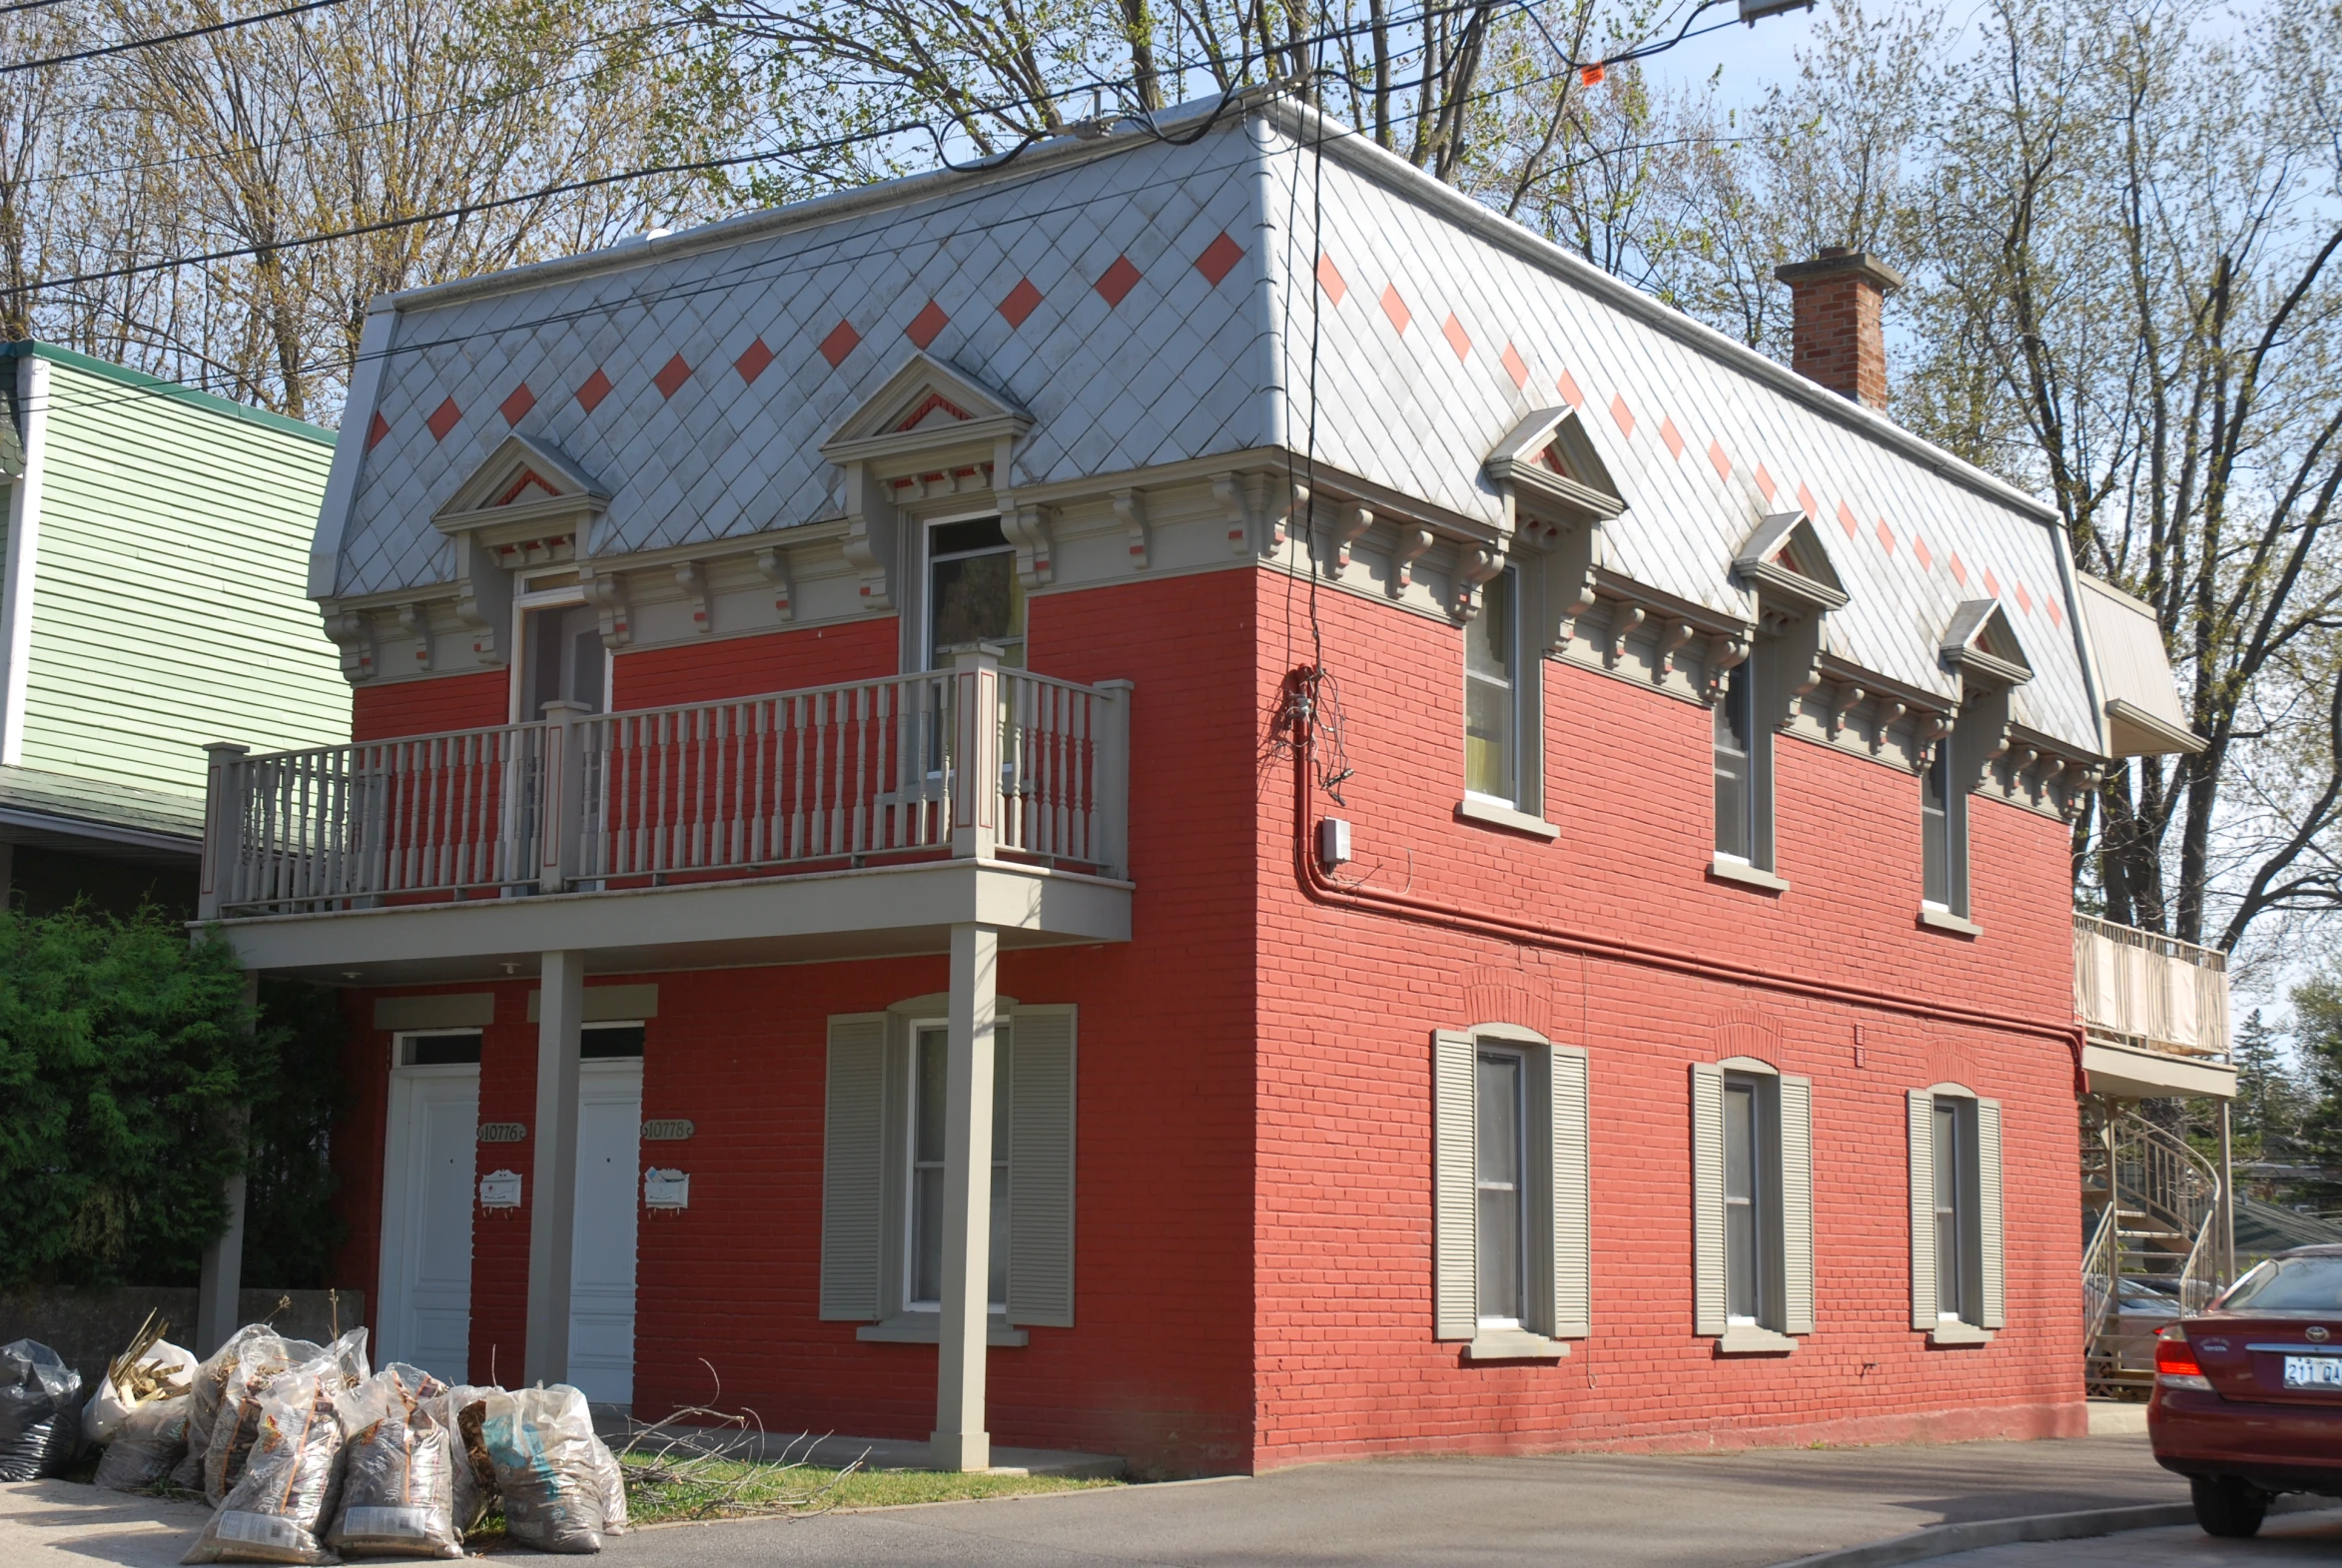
1738	1511
2298	1538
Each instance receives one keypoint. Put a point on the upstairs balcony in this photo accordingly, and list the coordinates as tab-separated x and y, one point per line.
2155	1012
853	820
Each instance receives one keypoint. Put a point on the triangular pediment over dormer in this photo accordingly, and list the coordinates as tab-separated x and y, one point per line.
1787	561
926	406
522	485
1548	459
1981	644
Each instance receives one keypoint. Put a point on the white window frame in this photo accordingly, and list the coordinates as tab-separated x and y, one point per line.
570	595
401	1038
1000	1158
1524	811
1514	1056
1784	1212
1982	1309
1950	835
1743	686
919	651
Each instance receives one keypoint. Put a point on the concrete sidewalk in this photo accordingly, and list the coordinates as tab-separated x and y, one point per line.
1738	1511
2295	1538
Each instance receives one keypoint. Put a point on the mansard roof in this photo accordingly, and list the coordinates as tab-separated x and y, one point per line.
1140	304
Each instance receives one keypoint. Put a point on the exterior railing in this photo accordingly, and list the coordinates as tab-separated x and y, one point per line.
976	761
2168	995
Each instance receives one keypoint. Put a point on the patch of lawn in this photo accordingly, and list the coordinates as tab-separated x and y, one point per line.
711	1488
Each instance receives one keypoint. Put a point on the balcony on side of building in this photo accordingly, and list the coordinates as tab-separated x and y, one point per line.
845	821
2155	1012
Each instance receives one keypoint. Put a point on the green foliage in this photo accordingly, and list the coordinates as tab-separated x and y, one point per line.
126	1055
2317	1041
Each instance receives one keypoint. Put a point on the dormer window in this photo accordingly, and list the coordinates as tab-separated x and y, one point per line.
1943	833
1492	693
1744	762
973	592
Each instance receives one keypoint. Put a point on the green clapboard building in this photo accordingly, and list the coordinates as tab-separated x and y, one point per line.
151	599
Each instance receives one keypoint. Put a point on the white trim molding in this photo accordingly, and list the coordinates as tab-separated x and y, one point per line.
24	553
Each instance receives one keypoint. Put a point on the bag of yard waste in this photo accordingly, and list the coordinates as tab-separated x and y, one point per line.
398	1471
278	1510
263	1359
151	1368
555	1474
219	1385
147	1445
462	1411
40	1411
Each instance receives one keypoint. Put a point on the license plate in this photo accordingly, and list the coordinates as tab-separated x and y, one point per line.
2314	1372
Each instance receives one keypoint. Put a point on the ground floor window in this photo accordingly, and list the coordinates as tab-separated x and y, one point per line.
1957	1256
1753	1204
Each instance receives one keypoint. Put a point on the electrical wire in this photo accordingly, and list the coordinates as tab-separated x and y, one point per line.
166	38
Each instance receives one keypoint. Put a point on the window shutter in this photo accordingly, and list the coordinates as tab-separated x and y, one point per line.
1988	1212
1041	1168
1796	1205
1455	1187
1924	1306
1572	1309
1706	1198
851	1168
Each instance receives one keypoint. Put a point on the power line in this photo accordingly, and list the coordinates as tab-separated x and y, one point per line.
165	38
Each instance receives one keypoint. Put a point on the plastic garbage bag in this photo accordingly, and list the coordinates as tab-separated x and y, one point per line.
549	1468
398	1471
148	1445
40	1411
212	1375
462	1410
278	1510
163	1372
263	1359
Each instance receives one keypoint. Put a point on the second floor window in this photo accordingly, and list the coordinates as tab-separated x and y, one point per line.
1491	693
1735	766
973	592
562	660
1944	835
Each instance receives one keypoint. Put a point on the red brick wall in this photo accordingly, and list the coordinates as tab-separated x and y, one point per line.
746	667
475	699
1350	999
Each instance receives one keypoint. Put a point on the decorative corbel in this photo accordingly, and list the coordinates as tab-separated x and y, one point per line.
2021	765
1672	634
869	542
2081	781
1624	618
1031	530
1930	730
417	620
1349	526
1130	507
1844	701
1727	651
1475	570
607	594
352	633
1276	505
1414	544
1889	710
691	577
773	561
483	598
1228	491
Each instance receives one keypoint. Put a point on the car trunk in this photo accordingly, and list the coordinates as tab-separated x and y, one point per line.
2273	1358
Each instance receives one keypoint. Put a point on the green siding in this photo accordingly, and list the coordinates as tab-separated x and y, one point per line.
169	602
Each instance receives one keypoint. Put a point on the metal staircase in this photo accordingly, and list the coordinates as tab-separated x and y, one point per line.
2151	1207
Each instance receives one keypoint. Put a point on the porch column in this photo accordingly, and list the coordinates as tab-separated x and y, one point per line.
220	1285
552	1211
960	1441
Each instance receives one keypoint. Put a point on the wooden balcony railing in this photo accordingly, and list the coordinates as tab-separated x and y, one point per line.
2149	989
976	761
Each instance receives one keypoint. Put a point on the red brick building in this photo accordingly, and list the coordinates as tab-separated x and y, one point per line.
1385	844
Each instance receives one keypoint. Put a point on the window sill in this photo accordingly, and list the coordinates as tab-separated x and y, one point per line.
1513	1344
1951	1331
1740	871
927	1329
1748	1340
1490	814
1944	920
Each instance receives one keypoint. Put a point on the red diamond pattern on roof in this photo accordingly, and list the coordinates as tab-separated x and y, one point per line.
1846	521
753	362
1958	569
2056	619
1022	301
1720	461
1515	367
1329	277
1220	259
1673	437
1805	499
1765	484
1991	583
516	404
1622	414
376	430
2024	599
1396	308
840	343
1118	282
1919	547
1568	387
1885	536
596	387
673	376
1457	339
443	419
927	324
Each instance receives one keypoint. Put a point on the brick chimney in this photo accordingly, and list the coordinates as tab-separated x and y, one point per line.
1835	338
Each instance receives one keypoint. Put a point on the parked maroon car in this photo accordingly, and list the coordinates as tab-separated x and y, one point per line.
2248	1396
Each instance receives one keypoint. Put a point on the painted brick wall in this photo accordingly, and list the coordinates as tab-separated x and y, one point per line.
473	699
1350	999
745	666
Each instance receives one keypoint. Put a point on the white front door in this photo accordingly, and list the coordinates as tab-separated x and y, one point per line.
426	1220
609	1179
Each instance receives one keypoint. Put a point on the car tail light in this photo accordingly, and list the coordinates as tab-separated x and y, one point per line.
2176	1362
